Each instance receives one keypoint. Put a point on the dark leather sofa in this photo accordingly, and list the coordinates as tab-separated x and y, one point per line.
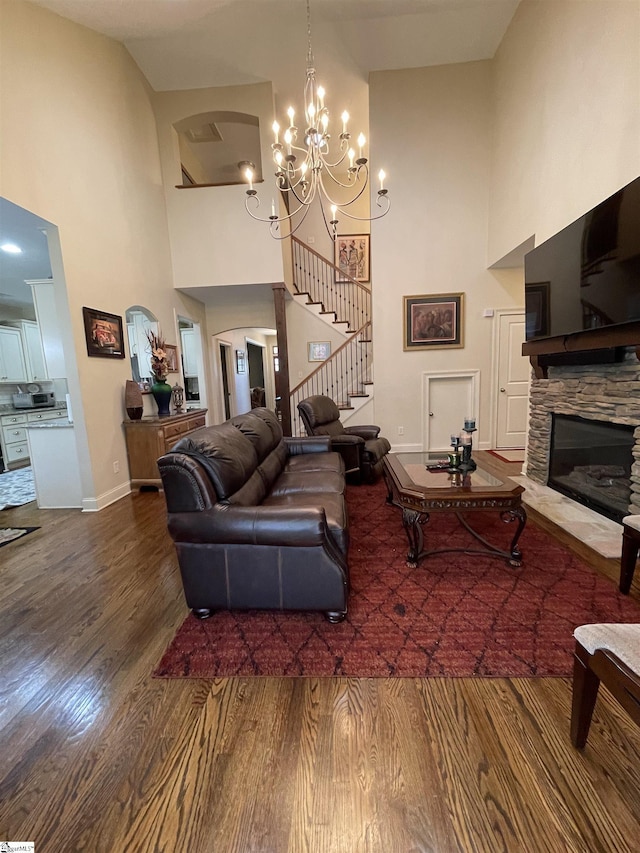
259	520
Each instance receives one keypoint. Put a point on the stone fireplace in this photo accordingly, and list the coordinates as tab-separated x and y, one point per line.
600	393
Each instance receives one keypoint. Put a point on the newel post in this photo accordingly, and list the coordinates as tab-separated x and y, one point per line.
282	376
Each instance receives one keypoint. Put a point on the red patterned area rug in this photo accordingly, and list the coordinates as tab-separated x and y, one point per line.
455	615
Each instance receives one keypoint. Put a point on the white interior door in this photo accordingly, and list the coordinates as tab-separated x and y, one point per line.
514	371
449	398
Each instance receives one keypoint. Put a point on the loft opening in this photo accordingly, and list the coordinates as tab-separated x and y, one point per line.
212	144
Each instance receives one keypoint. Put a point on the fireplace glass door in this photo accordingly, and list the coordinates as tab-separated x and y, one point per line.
591	463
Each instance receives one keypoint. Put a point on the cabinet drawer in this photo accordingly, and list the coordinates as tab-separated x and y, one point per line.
178	429
9	420
17	451
35	417
197	422
14	434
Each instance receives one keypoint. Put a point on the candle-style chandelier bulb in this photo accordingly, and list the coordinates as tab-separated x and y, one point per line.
310	165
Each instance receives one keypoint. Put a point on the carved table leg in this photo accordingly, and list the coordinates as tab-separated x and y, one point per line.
518	514
412	521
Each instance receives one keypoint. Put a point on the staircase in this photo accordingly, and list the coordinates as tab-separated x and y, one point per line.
346	376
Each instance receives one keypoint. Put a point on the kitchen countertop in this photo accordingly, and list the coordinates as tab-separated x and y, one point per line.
8	409
49	425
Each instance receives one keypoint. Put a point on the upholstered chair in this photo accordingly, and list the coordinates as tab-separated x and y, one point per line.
361	447
609	653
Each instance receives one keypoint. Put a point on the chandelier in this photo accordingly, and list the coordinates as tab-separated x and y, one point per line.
315	171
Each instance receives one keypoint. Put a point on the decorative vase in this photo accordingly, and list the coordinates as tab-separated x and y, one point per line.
133	400
161	391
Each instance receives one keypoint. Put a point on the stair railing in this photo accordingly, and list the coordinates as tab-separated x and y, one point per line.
330	286
342	375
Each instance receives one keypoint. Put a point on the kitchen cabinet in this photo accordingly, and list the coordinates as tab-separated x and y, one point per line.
54	458
150	438
33	351
189	352
12	363
13	435
15	449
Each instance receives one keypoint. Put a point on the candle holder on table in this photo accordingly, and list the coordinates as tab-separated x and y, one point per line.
467	463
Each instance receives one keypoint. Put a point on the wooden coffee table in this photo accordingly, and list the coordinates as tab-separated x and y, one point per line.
420	491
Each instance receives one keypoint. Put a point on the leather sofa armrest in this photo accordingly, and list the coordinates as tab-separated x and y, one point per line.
310	444
251	525
367	431
345	440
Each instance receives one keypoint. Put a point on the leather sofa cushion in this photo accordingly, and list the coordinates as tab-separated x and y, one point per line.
334	505
301	482
225	453
316	462
263	438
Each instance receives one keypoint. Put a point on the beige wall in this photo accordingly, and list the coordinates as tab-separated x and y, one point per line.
433	126
80	149
492	153
213	239
567	115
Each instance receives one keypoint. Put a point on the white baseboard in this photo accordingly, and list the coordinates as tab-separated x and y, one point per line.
106	498
406	448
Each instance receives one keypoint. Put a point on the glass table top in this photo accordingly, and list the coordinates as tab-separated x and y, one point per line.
431	471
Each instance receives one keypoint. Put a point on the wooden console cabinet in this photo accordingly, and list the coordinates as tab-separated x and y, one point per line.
150	438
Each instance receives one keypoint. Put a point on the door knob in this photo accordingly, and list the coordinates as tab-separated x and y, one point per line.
502	390
430	414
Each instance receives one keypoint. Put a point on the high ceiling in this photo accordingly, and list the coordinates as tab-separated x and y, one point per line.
185	44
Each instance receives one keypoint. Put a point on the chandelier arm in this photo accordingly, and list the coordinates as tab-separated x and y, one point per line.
271	219
310	198
275	223
343	148
291	187
369	218
340	207
339	183
331	228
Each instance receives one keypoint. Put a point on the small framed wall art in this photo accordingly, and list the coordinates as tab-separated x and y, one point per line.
433	321
319	350
103	334
172	357
241	364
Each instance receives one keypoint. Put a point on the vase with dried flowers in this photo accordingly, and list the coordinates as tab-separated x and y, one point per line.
160	389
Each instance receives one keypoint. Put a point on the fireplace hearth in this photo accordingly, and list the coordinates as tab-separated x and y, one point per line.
590	462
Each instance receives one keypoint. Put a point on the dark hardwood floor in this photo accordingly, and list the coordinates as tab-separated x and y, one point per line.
99	756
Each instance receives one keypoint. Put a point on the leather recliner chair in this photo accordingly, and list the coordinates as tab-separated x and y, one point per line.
361	447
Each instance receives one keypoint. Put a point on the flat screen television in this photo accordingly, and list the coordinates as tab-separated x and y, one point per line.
586	279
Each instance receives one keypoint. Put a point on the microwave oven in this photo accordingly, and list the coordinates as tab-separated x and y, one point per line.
39	400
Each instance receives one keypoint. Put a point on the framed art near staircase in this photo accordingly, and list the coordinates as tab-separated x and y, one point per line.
319	350
352	257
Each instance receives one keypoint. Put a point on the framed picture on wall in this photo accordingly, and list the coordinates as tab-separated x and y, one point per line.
172	357
352	257
103	334
433	321
241	363
537	309
319	350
